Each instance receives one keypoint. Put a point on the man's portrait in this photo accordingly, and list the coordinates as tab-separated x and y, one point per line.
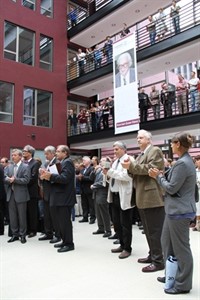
125	70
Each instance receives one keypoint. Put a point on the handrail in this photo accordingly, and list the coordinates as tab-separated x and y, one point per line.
189	17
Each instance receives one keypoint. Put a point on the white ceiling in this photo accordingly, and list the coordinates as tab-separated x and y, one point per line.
130	13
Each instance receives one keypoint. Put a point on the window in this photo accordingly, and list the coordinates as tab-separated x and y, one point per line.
19	44
29	4
6	101
46	8
46	46
37	108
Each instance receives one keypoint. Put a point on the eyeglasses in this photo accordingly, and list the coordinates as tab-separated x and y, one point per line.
125	65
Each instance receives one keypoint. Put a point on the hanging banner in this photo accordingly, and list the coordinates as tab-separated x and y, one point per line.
125	85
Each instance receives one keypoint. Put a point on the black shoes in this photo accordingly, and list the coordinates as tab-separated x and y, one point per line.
65	249
83	221
13	239
55	240
32	234
113	237
161	279
98	232
23	239
45	238
107	234
60	245
116	242
92	221
174	291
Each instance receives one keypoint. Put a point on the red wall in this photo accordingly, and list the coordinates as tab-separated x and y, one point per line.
16	134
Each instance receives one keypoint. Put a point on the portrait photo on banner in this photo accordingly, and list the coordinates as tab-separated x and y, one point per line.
124	68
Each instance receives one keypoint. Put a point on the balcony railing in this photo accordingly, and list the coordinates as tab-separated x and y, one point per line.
89	127
189	17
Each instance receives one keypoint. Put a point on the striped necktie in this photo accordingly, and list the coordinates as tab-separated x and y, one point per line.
113	179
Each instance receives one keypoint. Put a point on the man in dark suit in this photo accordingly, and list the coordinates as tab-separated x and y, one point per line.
86	193
63	196
2	200
149	198
50	220
17	177
32	206
126	74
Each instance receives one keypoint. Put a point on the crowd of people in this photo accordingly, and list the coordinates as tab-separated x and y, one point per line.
100	115
108	191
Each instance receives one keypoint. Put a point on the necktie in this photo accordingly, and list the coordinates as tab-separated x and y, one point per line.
15	169
113	179
124	79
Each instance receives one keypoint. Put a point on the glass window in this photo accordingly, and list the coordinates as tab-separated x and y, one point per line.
46	8
19	44
37	108
6	101
29	4
46	47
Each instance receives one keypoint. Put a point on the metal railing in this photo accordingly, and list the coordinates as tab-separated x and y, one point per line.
189	17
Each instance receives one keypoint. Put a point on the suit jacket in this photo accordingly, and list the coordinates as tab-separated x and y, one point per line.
46	184
63	192
100	191
2	188
179	187
86	180
148	192
33	183
118	77
20	184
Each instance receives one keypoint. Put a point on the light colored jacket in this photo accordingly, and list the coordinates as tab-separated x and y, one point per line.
125	183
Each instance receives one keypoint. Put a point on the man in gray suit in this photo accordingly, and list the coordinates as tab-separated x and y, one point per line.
126	74
17	177
149	198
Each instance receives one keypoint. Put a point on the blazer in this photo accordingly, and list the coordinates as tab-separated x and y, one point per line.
33	183
100	191
118	77
20	184
63	192
125	183
86	180
148	192
179	187
2	188
46	184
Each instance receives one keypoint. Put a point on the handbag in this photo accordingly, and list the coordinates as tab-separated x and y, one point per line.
170	272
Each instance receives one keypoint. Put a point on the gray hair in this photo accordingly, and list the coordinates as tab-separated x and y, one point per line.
30	149
86	158
50	149
121	145
146	133
18	151
127	56
64	148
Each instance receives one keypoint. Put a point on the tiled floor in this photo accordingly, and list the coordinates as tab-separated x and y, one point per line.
36	271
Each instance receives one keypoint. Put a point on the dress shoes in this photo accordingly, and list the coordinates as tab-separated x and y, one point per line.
92	221
83	221
141	227
23	239
161	279
117	250
98	232
55	240
13	239
65	249
124	254
107	234
60	245
45	238
32	234
153	268
113	237
146	260
174	291
116	242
